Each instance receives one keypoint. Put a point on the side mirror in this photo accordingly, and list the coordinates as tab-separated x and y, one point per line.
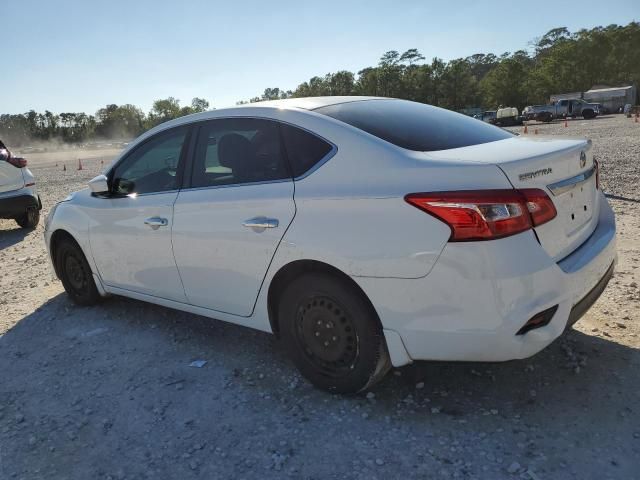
99	184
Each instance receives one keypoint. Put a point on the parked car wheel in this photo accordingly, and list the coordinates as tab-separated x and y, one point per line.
75	273
588	114
332	333
545	117
30	218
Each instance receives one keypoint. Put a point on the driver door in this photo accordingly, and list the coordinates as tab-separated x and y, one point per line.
130	229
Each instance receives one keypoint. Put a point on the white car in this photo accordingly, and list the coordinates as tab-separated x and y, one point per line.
19	199
364	232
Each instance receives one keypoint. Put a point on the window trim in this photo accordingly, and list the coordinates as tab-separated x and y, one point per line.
197	126
185	153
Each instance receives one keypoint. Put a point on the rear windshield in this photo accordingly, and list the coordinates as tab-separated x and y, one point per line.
415	126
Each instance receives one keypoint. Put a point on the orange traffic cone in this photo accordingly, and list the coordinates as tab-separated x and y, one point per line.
64	167
535	131
526	130
79	165
566	124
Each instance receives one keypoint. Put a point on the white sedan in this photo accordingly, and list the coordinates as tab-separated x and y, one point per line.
364	232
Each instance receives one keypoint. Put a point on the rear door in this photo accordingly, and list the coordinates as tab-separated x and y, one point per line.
229	222
10	176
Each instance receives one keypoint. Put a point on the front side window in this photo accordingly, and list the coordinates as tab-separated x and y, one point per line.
152	167
236	151
414	126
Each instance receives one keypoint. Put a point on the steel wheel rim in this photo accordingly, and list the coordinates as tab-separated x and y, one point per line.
327	336
75	272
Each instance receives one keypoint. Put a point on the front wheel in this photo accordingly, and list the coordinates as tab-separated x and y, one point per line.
332	333
75	273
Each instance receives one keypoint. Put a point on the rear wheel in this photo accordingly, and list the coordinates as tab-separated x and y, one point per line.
75	273
332	333
30	218
588	114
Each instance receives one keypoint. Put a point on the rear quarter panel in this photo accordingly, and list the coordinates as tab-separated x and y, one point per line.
351	212
10	177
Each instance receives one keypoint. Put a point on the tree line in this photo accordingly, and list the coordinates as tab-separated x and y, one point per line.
558	61
111	122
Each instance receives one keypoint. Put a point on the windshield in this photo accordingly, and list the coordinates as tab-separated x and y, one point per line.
415	126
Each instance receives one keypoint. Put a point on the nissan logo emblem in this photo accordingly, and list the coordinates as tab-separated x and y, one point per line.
583	159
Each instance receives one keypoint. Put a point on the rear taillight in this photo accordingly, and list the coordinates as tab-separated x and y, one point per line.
596	166
17	162
539	205
486	214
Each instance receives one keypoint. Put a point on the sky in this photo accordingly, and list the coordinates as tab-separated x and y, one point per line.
77	56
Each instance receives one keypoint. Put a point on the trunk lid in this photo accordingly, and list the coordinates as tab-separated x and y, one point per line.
563	168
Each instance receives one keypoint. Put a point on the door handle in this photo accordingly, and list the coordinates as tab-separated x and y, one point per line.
261	222
156	222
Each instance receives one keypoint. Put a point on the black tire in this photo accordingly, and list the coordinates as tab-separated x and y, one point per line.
588	114
30	219
545	117
347	353
75	273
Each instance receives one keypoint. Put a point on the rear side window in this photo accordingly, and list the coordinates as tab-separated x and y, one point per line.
304	150
415	126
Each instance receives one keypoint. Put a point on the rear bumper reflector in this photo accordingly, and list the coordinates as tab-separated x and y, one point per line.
538	320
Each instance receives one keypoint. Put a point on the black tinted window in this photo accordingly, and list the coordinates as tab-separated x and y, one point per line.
304	149
153	166
414	126
238	150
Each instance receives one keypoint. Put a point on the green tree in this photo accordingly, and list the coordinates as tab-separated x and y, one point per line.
199	105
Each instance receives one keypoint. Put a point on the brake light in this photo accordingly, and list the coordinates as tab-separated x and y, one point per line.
17	162
486	214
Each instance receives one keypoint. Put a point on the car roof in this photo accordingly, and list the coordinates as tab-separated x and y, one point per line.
311	103
304	103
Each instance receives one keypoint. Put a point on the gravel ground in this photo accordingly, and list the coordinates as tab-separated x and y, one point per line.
107	392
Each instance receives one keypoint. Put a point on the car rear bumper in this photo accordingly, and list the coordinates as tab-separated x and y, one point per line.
15	205
580	308
479	295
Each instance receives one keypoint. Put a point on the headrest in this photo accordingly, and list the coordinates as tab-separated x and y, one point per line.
234	151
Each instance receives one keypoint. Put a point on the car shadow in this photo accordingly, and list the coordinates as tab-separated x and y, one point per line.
620	197
106	376
12	236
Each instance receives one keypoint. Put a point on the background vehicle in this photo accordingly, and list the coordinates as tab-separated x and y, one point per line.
364	232
507	117
563	108
489	116
537	112
18	197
